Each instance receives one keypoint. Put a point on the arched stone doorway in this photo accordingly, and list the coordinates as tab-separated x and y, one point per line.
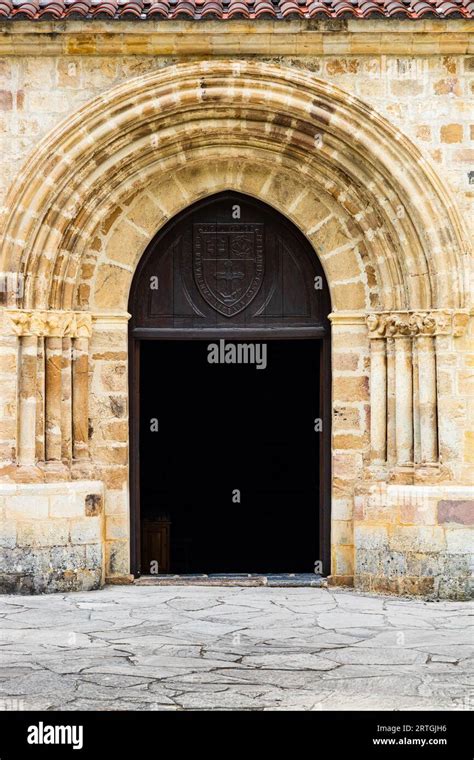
394	250
229	287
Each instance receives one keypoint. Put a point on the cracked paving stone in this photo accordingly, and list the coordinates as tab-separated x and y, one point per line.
343	619
248	648
286	661
388	656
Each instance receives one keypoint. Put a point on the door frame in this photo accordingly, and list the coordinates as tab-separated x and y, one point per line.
323	502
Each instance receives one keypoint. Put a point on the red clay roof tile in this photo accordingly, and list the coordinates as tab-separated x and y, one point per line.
227	9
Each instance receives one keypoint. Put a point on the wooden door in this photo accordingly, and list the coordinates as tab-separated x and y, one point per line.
230	268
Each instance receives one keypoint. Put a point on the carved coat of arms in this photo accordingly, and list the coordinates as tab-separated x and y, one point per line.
228	264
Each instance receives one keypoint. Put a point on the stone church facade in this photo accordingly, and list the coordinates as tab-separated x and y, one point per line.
354	125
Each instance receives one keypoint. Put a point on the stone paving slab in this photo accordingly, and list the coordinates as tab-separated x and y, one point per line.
234	648
234	579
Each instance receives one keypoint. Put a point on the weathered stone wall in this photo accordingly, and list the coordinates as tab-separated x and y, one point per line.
51	537
420	76
389	218
414	539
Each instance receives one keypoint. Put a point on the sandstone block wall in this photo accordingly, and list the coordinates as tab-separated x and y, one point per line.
415	538
361	133
51	537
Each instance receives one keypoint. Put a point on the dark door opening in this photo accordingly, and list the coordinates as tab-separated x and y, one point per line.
235	479
229	459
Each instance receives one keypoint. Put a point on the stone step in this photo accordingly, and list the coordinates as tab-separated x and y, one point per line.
234	579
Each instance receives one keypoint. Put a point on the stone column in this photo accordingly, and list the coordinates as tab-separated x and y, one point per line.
40	399
412	419
9	373
416	405
427	398
403	400
53	387
378	401
391	403
27	399
53	352
80	395
66	401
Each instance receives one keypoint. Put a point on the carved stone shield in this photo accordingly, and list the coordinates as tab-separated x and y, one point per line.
228	264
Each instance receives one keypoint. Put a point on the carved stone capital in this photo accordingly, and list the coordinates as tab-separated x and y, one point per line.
412	324
58	324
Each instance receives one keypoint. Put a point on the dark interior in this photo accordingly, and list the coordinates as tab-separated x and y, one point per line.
223	427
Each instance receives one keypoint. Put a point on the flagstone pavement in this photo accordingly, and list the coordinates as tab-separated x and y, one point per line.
215	648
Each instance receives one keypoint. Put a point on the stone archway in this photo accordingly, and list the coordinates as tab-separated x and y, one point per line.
114	146
230	269
388	235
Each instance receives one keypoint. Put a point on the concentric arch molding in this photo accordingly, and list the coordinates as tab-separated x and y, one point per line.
130	135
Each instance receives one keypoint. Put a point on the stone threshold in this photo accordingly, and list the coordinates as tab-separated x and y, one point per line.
234	579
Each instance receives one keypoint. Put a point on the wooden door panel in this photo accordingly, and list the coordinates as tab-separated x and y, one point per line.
215	272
